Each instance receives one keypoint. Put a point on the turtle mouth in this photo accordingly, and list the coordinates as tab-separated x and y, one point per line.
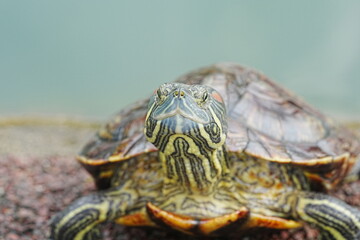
177	112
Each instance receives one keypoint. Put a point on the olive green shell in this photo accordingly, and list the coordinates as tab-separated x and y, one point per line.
264	120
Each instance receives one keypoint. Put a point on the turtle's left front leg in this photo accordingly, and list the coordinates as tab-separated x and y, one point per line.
336	219
81	219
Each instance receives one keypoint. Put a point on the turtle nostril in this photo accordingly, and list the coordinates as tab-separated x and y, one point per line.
179	94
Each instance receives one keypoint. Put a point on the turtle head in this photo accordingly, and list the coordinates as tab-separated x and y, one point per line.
195	112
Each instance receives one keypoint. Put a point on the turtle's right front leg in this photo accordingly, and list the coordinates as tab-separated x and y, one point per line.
81	219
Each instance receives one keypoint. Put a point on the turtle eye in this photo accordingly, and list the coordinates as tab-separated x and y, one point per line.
159	93
205	97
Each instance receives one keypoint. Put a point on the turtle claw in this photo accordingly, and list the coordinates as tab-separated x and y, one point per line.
205	226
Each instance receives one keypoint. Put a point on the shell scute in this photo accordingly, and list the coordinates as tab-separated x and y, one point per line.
121	138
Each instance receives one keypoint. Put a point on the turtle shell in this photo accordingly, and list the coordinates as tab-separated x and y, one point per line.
264	120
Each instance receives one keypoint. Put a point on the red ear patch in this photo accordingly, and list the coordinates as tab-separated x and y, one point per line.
217	97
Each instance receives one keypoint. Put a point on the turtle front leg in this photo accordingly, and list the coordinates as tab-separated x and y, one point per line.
81	219
336	219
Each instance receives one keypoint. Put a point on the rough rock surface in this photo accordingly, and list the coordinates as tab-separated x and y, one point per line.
39	177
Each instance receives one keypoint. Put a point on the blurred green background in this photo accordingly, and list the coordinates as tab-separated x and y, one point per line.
91	58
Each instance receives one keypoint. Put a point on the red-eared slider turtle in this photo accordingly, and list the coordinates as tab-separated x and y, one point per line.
223	149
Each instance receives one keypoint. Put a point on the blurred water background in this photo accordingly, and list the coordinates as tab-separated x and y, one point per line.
91	58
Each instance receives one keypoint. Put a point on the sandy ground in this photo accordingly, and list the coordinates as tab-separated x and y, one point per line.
39	177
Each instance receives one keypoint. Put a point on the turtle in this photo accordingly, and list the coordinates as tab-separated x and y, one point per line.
223	149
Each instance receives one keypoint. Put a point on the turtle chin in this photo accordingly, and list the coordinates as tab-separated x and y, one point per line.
159	131
166	127
180	125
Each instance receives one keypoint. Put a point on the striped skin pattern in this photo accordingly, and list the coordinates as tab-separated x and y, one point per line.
81	219
197	184
336	219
